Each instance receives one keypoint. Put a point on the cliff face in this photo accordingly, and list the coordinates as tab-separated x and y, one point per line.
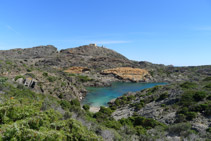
76	70
127	73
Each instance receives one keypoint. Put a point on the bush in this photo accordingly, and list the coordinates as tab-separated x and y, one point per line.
207	112
209	130
19	76
75	102
180	118
185	113
84	78
112	124
200	95
3	80
208	86
162	96
22	118
187	98
201	107
65	104
140	130
191	115
51	78
207	79
188	85
104	114
124	100
138	106
86	107
177	129
45	74
105	110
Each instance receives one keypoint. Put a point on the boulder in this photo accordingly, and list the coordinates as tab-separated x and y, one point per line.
28	82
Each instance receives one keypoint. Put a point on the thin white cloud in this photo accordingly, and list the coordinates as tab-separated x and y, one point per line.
9	27
12	29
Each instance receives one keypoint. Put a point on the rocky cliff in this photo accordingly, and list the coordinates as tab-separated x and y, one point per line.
127	73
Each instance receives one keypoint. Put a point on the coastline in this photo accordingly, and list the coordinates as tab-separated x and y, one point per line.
94	109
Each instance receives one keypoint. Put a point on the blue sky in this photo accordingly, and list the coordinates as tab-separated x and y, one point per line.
168	32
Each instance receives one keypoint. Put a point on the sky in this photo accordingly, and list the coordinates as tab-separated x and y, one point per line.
170	32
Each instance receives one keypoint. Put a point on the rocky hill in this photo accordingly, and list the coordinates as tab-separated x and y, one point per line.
176	105
53	82
92	57
29	53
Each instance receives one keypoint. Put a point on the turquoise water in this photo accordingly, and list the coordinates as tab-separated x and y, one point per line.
101	96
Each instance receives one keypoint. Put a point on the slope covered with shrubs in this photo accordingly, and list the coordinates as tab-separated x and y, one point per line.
25	115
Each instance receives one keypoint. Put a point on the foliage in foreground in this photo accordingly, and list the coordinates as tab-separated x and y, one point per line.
23	118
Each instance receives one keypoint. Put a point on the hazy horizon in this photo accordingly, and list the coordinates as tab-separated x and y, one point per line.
163	32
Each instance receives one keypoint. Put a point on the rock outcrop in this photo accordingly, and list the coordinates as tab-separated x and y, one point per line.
28	82
127	73
77	70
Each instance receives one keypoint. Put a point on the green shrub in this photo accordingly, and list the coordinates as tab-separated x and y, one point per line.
103	115
86	107
185	113
138	106
187	98
105	110
201	107
200	95
126	121
63	84
28	69
180	118
19	76
207	79
3	80
71	74
178	129
188	85
112	124
208	86
140	130
75	102
207	112
113	107
155	88
209	130
45	74
124	100
65	104
163	105
162	96
51	78
84	78
191	115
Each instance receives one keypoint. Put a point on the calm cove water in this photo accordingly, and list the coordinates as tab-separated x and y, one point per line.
101	96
